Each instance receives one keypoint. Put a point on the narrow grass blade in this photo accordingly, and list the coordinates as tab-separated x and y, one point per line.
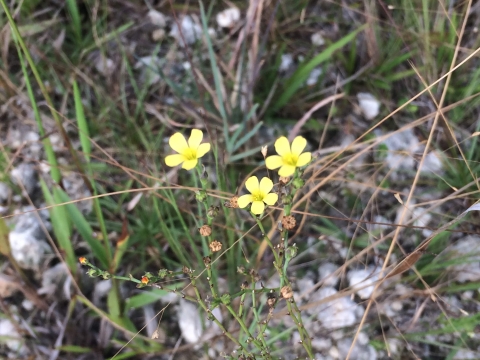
82	123
61	225
85	230
299	77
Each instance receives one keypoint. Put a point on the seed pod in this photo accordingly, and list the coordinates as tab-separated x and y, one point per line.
205	230
215	246
286	292
289	222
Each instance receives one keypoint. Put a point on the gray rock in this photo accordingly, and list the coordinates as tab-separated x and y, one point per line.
5	192
27	175
27	250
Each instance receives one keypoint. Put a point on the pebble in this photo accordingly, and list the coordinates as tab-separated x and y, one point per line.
25	174
228	18
157	18
190	30
325	272
362	278
314	76
317	39
5	193
337	313
12	339
369	105
27	250
189	321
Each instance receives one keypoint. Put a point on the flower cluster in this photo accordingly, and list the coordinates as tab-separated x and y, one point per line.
289	158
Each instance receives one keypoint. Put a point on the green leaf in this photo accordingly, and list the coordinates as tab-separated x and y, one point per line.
74	349
144	298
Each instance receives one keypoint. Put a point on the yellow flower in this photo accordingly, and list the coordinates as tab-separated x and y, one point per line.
288	159
188	153
259	194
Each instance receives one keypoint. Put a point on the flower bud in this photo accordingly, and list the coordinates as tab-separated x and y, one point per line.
298	183
201	195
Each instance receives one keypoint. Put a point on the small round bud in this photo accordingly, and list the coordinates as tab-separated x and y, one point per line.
201	195
234	202
244	285
286	292
205	230
207	260
289	222
215	246
145	280
83	260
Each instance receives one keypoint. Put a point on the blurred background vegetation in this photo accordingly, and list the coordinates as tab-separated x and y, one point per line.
91	90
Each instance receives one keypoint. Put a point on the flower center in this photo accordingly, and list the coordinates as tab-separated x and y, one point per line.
290	159
190	154
257	195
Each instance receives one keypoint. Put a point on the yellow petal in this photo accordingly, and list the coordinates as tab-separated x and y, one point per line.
244	200
189	164
258	207
174	160
274	162
266	185
298	145
270	199
195	138
178	143
286	170
304	159
203	149
282	146
252	184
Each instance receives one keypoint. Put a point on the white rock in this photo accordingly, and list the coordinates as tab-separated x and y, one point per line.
190	30
286	62
359	352
5	192
31	220
25	174
337	313
432	163
157	18
102	288
467	252
11	338
104	66
362	339
27	250
325	272
369	105
76	189
314	76
401	146
321	343
150	66
28	305
334	353
53	279
317	39
360	278
189	321
228	18
464	354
